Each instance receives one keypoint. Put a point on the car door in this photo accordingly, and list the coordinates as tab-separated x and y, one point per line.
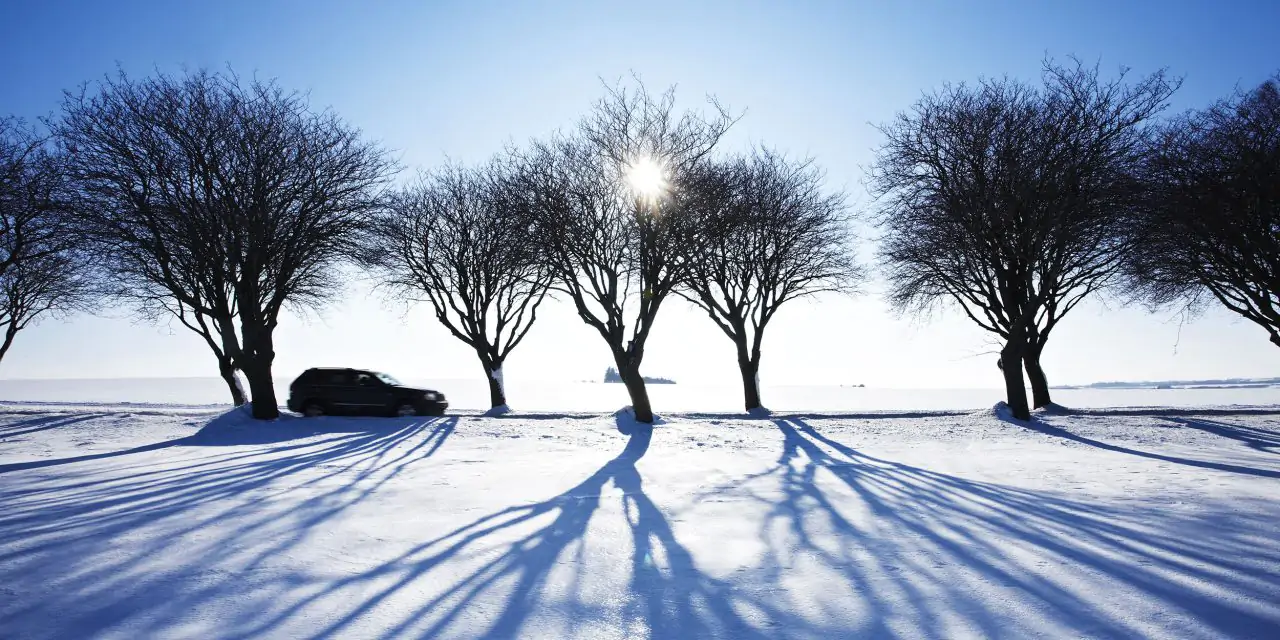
339	388
369	392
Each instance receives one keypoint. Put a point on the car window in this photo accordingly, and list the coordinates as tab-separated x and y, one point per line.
337	377
363	378
387	379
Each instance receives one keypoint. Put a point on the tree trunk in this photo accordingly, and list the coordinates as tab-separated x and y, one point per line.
263	389
497	392
1015	388
1035	374
750	369
257	354
228	372
9	334
634	382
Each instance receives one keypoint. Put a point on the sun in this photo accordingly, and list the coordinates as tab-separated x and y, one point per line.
646	177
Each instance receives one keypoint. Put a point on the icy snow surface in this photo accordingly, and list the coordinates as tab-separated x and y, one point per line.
130	522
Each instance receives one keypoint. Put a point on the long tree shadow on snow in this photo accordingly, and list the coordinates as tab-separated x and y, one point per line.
1254	437
1250	436
42	423
63	529
667	594
918	565
229	429
931	542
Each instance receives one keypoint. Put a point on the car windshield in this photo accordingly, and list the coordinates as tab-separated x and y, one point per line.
387	379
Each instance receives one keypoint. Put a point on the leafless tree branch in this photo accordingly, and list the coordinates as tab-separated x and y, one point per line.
219	202
765	233
461	238
613	250
1008	200
1209	224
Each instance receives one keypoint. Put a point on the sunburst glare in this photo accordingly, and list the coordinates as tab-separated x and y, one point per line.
646	177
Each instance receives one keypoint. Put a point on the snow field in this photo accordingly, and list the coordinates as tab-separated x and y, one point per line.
558	396
160	522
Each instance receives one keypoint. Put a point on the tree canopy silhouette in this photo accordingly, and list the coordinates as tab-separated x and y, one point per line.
460	238
611	202
219	202
44	270
766	233
1008	201
1209	227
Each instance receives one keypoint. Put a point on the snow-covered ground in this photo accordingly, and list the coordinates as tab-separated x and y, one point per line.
192	523
543	395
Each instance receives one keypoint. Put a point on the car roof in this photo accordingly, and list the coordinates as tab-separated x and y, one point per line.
342	369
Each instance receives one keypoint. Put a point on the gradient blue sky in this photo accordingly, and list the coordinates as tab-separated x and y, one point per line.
436	80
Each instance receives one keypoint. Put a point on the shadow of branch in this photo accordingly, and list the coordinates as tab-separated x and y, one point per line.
64	528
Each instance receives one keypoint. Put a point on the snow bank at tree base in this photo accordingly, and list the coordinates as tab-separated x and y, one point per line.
499	410
1001	411
1055	409
626	418
130	523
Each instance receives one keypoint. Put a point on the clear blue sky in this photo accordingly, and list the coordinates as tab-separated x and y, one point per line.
436	79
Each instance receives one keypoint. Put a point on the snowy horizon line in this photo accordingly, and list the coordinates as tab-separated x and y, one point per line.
1101	384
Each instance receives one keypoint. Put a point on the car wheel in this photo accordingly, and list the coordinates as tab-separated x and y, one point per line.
406	409
313	409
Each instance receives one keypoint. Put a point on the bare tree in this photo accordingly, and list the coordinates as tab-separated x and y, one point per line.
219	202
33	223
1209	227
460	239
611	211
1006	200
54	285
43	270
1096	137
767	233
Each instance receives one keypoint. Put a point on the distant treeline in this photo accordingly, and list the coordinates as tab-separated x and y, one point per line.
1238	383
611	375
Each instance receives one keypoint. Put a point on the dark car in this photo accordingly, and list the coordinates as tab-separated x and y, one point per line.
333	391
